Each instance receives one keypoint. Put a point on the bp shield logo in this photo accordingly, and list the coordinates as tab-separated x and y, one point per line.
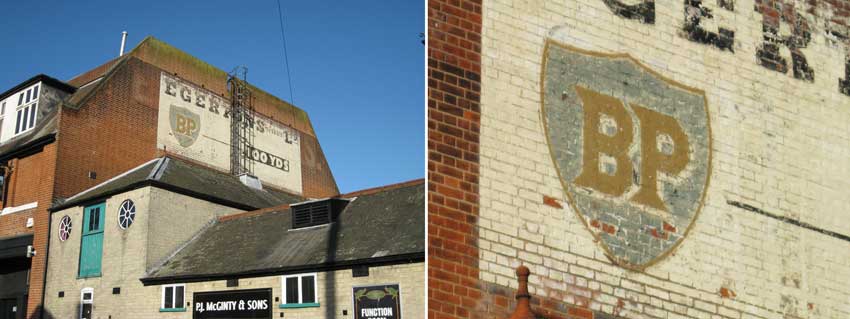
185	125
632	149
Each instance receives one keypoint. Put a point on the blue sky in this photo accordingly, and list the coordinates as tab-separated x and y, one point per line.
357	66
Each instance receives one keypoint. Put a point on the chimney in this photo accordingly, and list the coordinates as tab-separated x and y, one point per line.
123	40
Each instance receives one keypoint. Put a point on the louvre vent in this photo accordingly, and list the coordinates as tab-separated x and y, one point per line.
317	213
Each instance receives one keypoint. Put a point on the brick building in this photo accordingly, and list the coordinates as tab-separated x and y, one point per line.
645	159
59	138
177	240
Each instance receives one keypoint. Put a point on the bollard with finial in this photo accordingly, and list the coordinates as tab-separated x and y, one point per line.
523	306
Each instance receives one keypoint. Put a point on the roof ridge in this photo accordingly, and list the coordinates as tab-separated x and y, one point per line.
373	190
111	179
119	62
159	170
255	212
156	168
202	165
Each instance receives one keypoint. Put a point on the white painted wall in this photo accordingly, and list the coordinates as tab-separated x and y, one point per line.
208	139
7	131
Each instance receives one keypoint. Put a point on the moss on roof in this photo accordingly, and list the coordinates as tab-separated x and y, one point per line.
387	224
160	50
155	51
183	177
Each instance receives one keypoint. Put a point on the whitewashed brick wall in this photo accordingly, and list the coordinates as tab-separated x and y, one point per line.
779	144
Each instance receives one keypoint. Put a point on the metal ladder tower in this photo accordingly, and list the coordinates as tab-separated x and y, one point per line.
242	121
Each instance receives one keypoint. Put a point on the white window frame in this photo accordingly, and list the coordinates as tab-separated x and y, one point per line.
300	296
2	117
173	297
84	301
83	293
27	113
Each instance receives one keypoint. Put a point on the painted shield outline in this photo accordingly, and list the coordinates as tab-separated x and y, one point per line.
597	235
183	139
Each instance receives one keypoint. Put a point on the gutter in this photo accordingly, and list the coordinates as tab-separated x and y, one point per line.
157	184
331	266
32	147
46	259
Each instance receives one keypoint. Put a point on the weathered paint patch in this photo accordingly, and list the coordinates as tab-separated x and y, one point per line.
632	150
695	13
643	11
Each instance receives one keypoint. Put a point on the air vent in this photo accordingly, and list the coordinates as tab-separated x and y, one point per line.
317	213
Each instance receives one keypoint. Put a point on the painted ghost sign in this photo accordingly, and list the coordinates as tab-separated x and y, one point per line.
185	125
632	149
195	122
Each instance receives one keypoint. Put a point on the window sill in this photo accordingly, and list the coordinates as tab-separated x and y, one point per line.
172	309
88	276
298	305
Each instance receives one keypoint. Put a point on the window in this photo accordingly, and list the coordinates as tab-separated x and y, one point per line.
172	298
299	291
126	214
64	228
26	111
91	246
25	118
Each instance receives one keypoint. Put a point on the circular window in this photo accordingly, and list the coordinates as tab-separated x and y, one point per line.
126	214
64	228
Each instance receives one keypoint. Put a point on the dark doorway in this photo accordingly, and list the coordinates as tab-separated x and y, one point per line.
8	308
86	314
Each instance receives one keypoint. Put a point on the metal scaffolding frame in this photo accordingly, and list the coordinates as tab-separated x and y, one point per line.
242	121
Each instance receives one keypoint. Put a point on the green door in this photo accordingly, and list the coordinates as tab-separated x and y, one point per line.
91	248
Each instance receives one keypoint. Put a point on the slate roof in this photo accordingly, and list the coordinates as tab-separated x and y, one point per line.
379	227
185	178
38	78
43	133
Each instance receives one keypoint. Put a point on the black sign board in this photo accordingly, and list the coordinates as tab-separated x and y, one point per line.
377	302
253	303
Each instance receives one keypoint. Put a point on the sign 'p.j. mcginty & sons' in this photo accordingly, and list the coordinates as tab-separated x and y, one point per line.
377	302
195	122
253	303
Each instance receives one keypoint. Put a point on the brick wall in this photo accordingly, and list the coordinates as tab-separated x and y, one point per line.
454	31
26	185
92	74
130	253
175	219
145	301
113	130
769	238
45	163
316	177
26	182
